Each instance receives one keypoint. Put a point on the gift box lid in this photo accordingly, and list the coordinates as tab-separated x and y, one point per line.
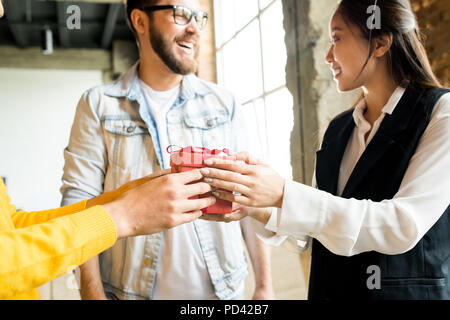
195	156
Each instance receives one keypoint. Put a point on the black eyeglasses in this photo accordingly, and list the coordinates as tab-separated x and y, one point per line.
183	15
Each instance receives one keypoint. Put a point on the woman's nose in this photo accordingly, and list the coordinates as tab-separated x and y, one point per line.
330	56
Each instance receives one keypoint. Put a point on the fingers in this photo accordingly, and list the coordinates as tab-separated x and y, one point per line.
240	199
225	176
234	216
247	158
197	204
229	186
228	165
196	189
188	176
190	216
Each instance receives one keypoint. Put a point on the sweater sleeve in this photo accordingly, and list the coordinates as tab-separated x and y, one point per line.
22	219
39	252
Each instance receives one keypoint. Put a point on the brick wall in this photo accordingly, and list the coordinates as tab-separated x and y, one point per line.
207	59
434	21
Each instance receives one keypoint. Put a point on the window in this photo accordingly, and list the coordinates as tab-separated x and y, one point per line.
251	61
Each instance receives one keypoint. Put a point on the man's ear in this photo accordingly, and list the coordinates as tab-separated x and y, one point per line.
382	44
140	21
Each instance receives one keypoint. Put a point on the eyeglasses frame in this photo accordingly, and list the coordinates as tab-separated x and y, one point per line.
195	13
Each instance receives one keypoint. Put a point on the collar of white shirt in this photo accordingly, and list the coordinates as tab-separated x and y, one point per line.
360	109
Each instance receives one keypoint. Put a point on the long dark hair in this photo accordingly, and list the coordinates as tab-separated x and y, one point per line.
407	58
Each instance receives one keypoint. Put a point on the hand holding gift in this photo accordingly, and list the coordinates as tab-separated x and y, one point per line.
190	158
258	185
157	203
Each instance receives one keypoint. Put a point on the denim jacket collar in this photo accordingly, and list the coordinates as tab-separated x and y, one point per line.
129	87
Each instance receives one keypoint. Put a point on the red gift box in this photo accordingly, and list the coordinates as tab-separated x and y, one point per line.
189	158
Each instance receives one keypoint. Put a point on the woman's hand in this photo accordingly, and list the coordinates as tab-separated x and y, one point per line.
258	184
239	213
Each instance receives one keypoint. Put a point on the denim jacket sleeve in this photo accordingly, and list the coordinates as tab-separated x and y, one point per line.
85	157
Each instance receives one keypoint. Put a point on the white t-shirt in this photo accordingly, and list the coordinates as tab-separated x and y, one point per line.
182	273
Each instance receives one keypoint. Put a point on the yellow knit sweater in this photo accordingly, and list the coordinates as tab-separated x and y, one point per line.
37	247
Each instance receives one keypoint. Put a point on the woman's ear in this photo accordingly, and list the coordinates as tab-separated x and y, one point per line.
382	44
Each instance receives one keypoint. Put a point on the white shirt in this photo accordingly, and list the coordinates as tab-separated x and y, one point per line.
159	103
182	272
349	226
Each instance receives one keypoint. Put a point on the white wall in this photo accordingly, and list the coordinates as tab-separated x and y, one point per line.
37	108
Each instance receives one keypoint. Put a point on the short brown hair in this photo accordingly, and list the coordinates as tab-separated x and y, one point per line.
136	4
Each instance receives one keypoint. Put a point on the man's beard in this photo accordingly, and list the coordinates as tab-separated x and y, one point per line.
161	45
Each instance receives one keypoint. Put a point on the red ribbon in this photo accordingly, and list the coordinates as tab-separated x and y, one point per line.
196	150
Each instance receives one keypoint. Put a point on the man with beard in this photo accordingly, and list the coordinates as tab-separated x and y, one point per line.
122	132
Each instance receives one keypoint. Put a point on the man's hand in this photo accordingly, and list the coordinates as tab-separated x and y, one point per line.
115	194
159	204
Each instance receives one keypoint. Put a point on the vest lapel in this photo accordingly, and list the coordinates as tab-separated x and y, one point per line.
385	137
329	157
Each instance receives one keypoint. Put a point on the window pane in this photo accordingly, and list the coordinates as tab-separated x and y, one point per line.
264	3
225	20
228	73
255	119
241	69
279	108
246	10
274	48
247	64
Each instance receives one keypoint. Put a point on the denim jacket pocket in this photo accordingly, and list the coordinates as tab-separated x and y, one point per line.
210	130
125	140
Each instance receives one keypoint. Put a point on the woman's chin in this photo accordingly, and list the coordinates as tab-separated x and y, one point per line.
341	88
344	87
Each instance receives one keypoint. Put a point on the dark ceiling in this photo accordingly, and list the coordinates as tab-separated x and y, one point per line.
101	23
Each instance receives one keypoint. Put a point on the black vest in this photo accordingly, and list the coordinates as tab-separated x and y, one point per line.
422	272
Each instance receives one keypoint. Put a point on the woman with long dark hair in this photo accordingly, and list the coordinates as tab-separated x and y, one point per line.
379	216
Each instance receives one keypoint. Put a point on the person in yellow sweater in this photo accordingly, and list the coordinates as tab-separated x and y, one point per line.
36	247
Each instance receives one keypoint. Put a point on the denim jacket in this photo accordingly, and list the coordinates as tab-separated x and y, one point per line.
114	140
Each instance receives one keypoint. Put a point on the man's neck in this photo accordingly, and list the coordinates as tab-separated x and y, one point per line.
158	78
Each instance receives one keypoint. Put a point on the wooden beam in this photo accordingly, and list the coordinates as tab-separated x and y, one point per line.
69	59
110	24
